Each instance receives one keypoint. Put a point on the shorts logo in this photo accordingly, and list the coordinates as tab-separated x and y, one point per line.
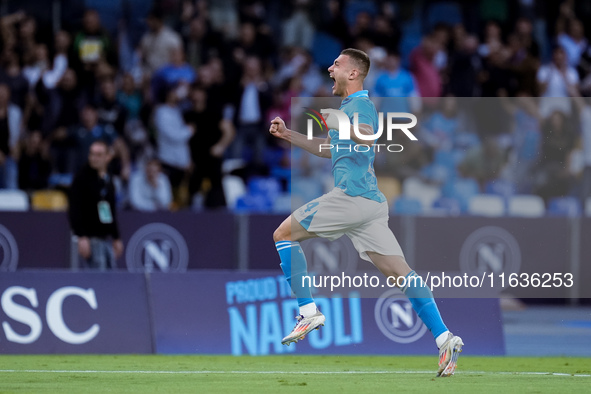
157	246
490	249
331	257
8	250
396	318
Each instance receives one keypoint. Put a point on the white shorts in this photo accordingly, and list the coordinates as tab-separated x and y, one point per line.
363	220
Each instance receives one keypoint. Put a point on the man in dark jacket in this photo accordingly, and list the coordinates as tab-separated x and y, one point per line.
92	211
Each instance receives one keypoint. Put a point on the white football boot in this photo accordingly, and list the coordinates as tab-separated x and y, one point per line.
448	355
304	326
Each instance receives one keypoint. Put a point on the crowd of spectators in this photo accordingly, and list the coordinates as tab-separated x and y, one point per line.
198	85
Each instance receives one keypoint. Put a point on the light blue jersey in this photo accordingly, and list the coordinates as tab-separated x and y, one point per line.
353	171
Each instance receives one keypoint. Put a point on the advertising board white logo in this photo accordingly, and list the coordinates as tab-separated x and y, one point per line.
396	318
157	246
490	249
28	316
8	250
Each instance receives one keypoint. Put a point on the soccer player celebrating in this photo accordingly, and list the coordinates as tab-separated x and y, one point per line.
355	207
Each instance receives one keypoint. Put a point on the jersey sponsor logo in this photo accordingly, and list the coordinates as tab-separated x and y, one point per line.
8	250
157	246
396	318
490	249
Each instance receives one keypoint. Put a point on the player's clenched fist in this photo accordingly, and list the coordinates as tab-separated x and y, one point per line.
277	128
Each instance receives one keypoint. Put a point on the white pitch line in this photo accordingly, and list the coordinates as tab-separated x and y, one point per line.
290	372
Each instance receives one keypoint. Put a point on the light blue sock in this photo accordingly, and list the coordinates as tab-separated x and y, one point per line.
421	298
294	266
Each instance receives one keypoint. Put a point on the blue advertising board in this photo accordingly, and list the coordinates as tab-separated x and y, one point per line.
217	312
237	313
65	312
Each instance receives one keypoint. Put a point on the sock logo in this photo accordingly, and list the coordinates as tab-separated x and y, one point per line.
396	318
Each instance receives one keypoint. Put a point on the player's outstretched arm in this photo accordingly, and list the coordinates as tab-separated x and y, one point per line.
316	146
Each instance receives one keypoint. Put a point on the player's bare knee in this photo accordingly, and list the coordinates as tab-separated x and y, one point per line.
280	234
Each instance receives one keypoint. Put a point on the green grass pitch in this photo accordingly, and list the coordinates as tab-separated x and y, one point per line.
297	374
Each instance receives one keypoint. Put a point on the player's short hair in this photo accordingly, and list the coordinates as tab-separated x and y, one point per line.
360	58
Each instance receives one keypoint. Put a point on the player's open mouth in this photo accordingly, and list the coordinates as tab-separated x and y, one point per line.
334	80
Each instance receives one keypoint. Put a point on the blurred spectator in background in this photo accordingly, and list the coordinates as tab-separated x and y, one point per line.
394	81
36	63
67	102
441	35
110	112
251	43
45	75
112	115
298	29
173	136
555	80
11	75
492	40
406	164
157	43
61	116
483	163
553	178
464	69
130	101
573	41
176	74
310	76
496	76
92	46
92	213
422	66
524	29
149	188
525	145
34	166
129	97
213	135
584	107
89	131
201	42
523	63
26	37
10	131
334	23
254	98
438	131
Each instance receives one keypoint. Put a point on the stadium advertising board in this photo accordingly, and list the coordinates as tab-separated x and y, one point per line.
169	242
50	231
502	249
249	313
216	312
163	241
64	312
